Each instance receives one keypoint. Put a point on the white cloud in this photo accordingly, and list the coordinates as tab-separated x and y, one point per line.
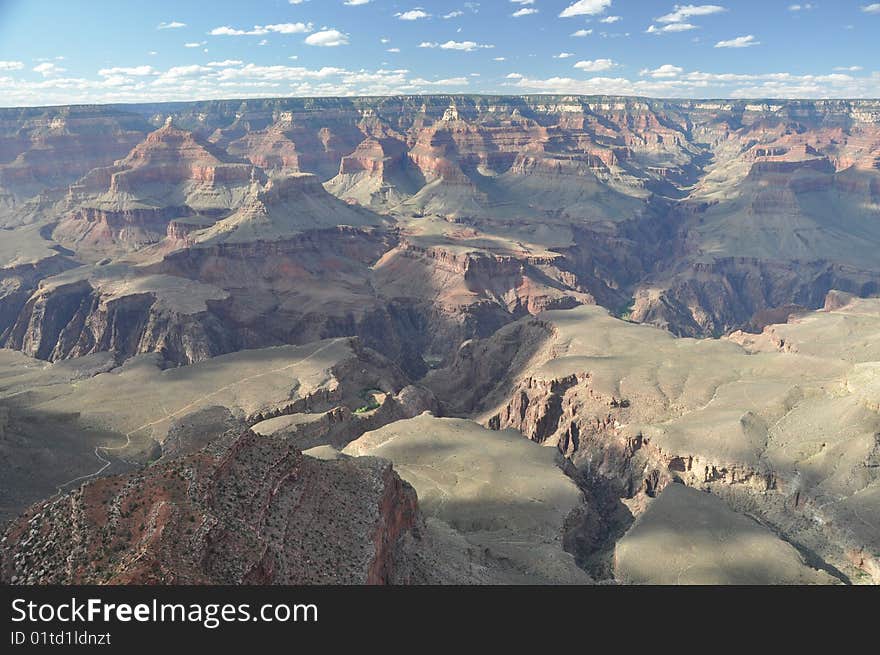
581	33
259	30
393	50
464	46
182	83
523	2
356	3
46	69
515	76
804	7
671	27
173	25
327	38
698	84
11	65
849	69
137	71
563	55
225	63
499	59
873	8
738	42
454	14
595	65
663	72
610	19
682	13
194	44
413	14
524	12
585	8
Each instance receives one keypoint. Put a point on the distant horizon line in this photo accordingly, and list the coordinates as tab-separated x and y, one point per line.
763	100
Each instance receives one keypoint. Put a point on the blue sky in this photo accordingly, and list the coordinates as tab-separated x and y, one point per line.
72	51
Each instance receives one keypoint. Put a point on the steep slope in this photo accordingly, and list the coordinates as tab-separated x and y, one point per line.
43	150
68	422
172	174
503	494
247	510
789	436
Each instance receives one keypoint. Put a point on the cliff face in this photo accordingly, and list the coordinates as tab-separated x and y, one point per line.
247	510
460	213
634	409
42	149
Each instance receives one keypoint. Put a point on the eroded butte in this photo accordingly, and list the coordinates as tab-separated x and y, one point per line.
428	339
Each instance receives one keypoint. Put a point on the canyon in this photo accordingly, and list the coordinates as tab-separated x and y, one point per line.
441	339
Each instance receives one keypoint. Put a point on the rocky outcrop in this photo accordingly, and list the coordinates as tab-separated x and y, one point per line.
246	510
50	148
733	293
76	319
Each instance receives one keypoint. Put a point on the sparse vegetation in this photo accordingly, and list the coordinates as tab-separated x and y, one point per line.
369	396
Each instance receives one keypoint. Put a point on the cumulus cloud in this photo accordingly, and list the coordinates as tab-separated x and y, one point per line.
682	13
11	65
525	11
581	33
739	42
413	14
47	69
611	19
233	79
678	20
873	8
464	46
671	27
327	39
258	30
137	71
595	65
663	72
695	84
585	8
453	14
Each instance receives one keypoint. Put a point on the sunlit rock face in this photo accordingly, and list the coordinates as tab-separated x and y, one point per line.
615	296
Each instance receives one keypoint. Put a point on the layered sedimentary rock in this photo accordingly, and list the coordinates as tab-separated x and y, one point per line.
77	419
786	429
248	509
42	149
695	216
148	249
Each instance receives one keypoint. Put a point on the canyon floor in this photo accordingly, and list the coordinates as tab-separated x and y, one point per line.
441	340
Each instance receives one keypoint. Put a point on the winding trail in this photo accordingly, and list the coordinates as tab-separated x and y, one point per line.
106	463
